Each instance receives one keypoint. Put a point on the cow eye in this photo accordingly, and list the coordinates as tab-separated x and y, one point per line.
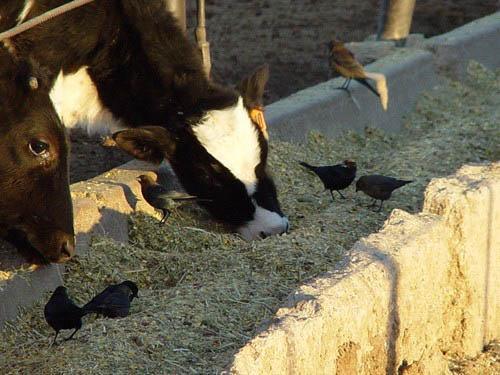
38	147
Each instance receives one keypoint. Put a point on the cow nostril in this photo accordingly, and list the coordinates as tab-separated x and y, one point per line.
262	235
67	249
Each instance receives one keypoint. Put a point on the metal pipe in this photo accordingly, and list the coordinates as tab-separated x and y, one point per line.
201	38
178	9
395	20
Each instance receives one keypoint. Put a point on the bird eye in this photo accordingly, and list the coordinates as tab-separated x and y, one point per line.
38	147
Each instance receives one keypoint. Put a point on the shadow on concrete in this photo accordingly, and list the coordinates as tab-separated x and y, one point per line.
393	322
130	196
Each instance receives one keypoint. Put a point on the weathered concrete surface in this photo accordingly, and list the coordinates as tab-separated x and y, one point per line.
478	40
26	288
470	204
103	204
423	285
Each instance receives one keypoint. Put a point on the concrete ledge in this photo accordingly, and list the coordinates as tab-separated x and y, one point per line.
478	40
409	72
422	286
26	288
331	111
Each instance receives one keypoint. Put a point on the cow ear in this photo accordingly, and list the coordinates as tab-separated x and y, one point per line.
148	143
252	87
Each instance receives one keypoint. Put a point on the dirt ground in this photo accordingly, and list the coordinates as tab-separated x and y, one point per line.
287	34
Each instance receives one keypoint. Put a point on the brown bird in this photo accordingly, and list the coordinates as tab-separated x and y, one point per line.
160	197
379	187
344	62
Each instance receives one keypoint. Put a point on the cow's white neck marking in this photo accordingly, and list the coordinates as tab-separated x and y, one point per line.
28	4
77	103
230	136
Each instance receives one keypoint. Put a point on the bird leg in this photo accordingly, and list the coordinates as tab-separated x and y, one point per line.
381	203
342	195
345	87
374	201
71	336
55	337
166	215
331	192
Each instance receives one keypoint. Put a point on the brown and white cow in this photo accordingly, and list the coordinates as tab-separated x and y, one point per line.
118	64
35	200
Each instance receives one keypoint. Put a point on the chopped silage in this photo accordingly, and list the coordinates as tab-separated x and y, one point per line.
204	292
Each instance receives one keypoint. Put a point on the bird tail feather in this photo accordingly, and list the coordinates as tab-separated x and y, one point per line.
381	84
365	83
404	182
308	166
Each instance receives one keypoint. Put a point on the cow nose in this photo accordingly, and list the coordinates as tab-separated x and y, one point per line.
67	250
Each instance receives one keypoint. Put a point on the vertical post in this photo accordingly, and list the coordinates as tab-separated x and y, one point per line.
178	9
201	37
395	20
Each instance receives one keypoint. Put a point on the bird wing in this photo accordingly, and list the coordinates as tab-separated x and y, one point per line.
152	191
113	305
387	183
100	298
345	63
177	196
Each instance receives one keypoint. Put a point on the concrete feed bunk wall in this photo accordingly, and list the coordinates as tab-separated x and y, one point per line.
422	286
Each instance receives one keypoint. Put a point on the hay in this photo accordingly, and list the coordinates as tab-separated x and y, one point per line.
204	292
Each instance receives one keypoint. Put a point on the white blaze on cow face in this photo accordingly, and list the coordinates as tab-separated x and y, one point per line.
77	103
230	136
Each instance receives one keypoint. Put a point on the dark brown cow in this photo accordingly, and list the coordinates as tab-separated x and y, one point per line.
34	187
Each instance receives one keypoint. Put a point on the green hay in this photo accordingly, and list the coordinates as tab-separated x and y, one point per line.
204	292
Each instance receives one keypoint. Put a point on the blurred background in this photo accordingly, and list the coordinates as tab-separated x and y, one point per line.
288	34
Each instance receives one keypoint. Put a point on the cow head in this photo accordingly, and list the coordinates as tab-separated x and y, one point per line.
34	186
221	156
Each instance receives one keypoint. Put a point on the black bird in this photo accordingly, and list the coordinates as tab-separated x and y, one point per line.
114	301
335	177
379	187
160	197
62	313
